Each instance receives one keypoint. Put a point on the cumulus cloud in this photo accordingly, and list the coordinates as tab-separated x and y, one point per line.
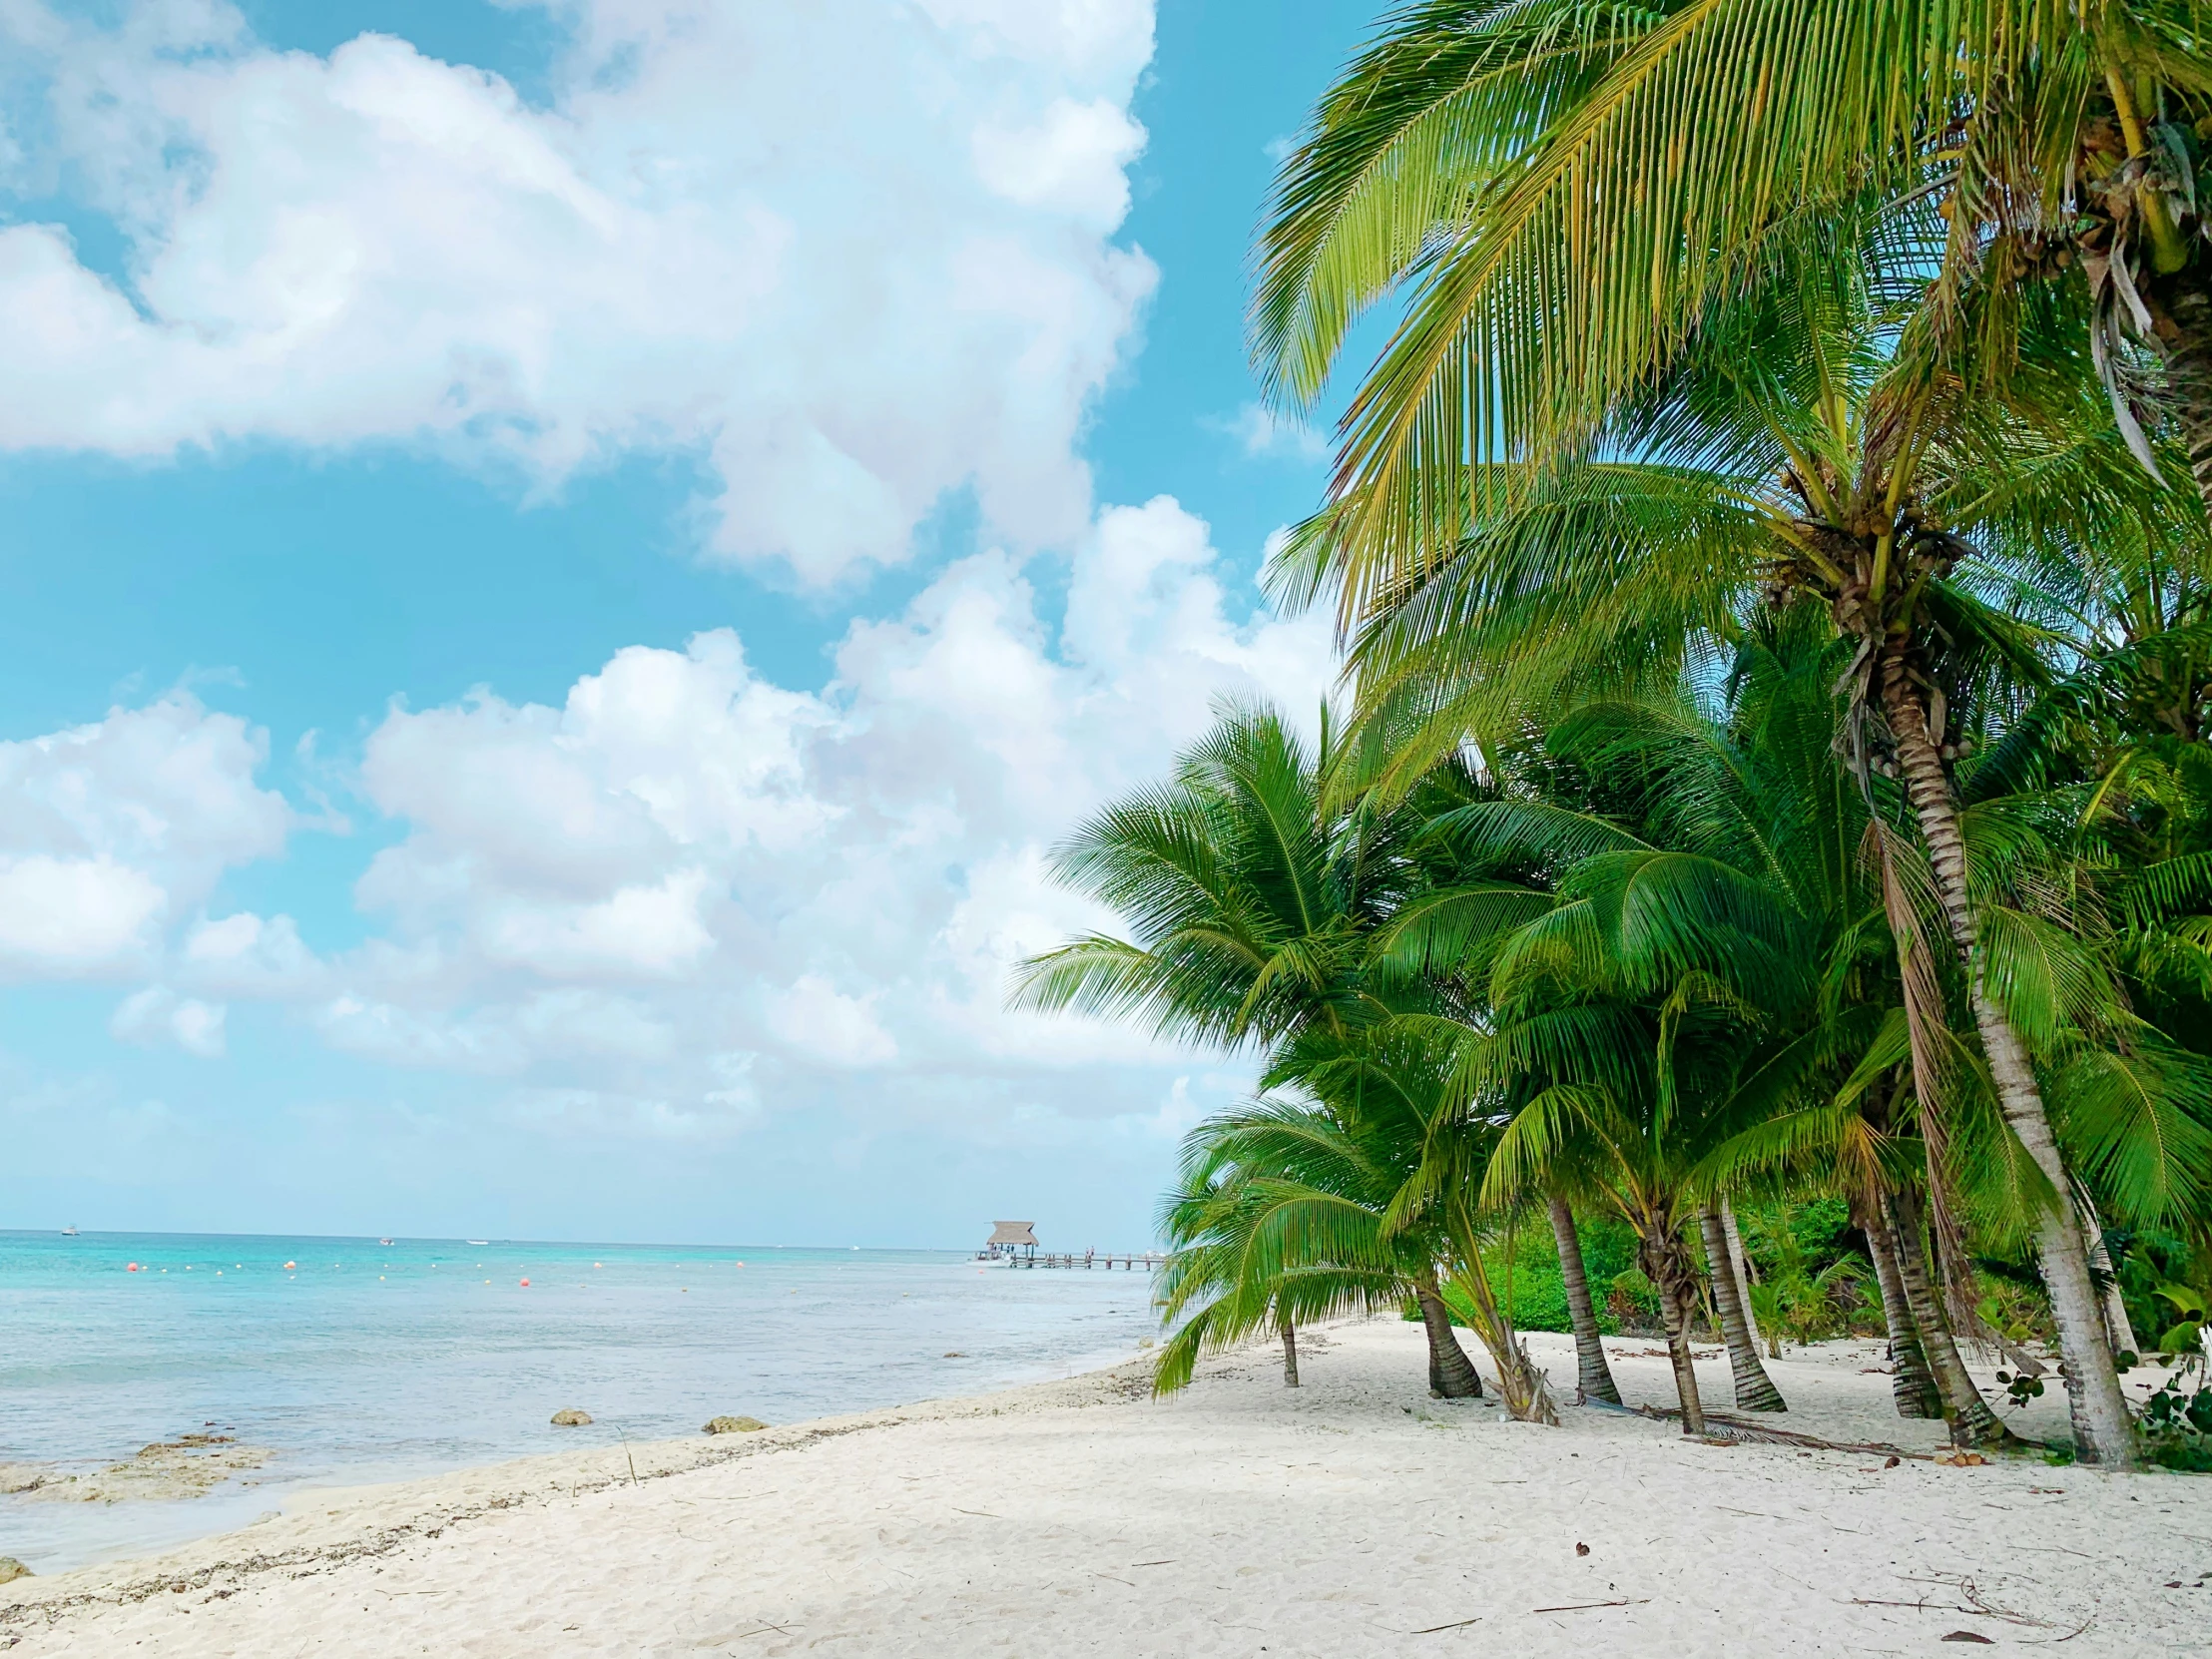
110	830
853	254
685	862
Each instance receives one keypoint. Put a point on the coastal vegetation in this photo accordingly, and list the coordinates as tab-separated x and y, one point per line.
1762	848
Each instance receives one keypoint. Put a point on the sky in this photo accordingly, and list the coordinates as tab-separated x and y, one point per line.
568	562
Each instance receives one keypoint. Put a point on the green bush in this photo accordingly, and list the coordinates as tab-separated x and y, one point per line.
1530	1287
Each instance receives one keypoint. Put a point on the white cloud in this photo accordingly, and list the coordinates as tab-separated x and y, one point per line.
109	829
821	1023
856	254
1072	161
248	955
158	1014
708	865
1260	430
73	912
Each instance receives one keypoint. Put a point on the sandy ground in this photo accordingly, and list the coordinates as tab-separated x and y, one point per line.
1353	1516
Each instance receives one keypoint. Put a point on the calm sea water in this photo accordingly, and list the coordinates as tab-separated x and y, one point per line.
364	1361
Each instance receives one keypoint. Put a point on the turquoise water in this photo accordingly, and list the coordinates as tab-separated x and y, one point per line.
364	1362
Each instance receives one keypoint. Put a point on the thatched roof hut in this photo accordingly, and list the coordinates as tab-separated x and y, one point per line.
1009	1236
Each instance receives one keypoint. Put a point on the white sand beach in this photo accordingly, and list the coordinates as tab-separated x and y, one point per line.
1354	1516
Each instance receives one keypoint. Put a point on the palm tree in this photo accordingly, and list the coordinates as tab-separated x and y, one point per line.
1567	189
1255	897
1593	1377
1744	894
1790	447
1279	1219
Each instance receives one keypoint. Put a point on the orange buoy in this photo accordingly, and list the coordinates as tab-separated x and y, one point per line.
289	1265
526	1284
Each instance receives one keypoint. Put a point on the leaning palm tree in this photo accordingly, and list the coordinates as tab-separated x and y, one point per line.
1789	448
1278	1220
1255	894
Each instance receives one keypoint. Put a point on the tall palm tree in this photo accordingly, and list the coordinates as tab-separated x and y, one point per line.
1735	869
1789	448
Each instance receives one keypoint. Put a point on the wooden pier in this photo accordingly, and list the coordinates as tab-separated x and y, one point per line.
1123	1259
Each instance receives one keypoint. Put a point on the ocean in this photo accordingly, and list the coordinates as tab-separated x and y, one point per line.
352	1361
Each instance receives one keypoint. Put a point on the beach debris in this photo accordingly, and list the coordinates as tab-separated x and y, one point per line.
1957	1457
570	1418
1737	1429
1582	1549
733	1426
1584	1607
12	1570
1968	1636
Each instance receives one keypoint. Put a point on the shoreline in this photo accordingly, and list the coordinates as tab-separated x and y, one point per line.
1082	1515
424	1505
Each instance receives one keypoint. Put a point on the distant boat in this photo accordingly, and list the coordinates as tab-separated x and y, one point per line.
383	1241
477	1241
70	1232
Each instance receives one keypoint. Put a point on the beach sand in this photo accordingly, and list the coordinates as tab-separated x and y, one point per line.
1354	1516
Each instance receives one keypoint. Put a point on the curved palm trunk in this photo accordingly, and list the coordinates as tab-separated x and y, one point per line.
2118	1326
1966	1412
1666	1265
1290	1354
2104	1434
1912	1384
1740	1260
1452	1374
1755	1390
1592	1375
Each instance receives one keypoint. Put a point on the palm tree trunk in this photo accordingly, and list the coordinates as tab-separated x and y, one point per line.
1740	1260
2104	1434
1662	1258
1452	1374
1677	1304
1755	1390
1519	1380
1967	1414
2118	1326
1912	1384
1290	1354
1592	1375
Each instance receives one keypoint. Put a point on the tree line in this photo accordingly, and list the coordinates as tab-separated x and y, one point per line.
1768	557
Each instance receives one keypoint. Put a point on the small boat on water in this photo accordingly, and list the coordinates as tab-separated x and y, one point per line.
70	1232
383	1241
478	1241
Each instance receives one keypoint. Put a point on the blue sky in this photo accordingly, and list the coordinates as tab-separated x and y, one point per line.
566	563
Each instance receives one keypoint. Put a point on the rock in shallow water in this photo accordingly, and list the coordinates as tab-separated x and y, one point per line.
571	1418
735	1425
12	1570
